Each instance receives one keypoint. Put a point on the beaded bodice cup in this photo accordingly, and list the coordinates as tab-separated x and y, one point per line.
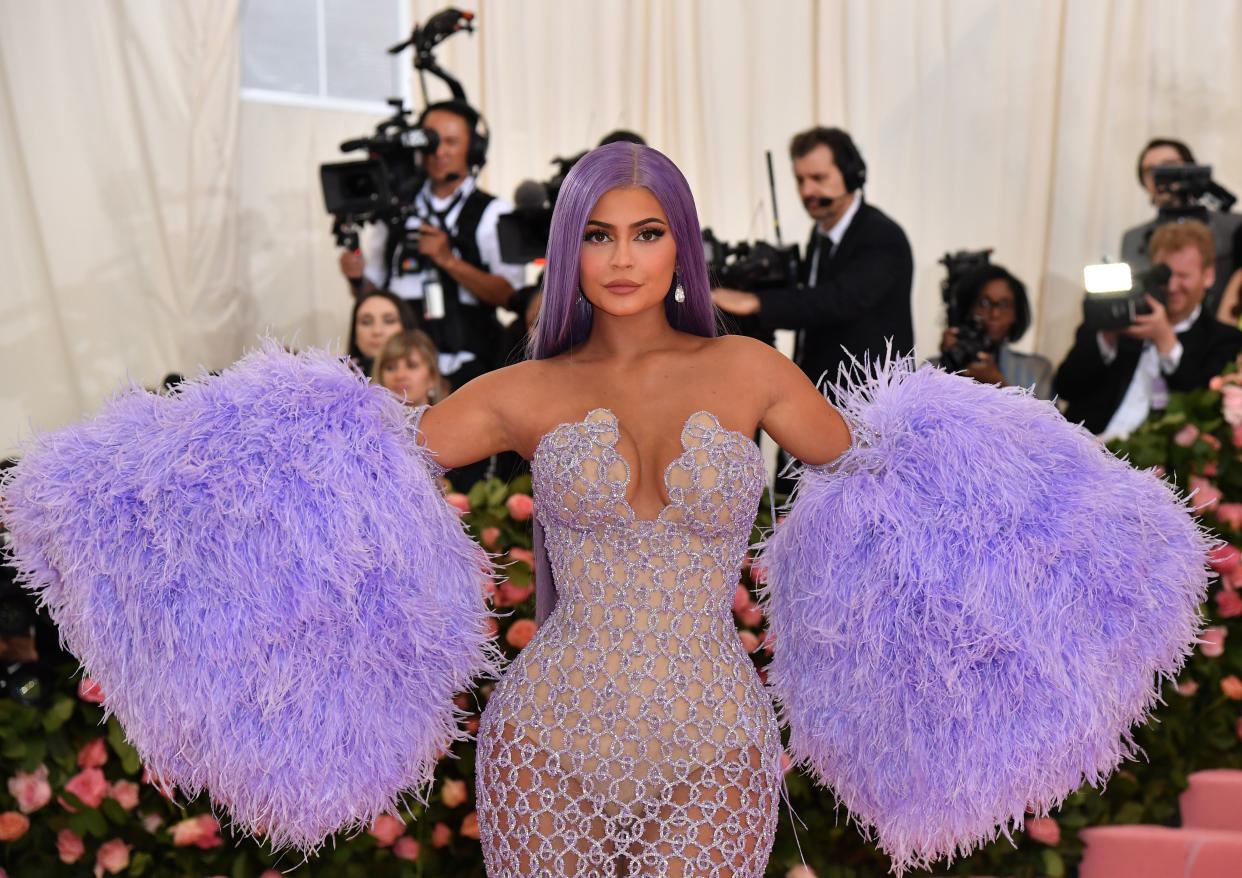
632	735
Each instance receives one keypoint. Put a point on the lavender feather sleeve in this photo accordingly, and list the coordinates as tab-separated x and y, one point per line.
972	608
263	576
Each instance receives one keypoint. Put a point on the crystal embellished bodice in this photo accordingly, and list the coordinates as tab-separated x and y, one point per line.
633	733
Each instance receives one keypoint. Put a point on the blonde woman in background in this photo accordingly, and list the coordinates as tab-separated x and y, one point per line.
408	366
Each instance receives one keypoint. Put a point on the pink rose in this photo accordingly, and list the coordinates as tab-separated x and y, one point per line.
1230	514
1232	687
93	755
271	873
1237	435
1212	641
112	857
1044	830
460	502
510	595
1206	495
1158	470
493	627
89	785
386	829
786	761
520	506
201	832
31	789
1216	383
69	846
1187	688
749	641
126	794
751	617
1186	436
89	690
1213	443
1228	604
520	633
526	556
489	536
13	825
1231	404
453	793
741	598
801	871
152	822
758	574
470	825
472	724
406	848
1209	468
1225	558
441	835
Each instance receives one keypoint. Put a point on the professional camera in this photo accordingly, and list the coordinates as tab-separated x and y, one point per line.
751	267
523	233
1115	296
972	337
382	187
1193	192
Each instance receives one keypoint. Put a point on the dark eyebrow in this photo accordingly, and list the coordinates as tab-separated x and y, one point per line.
610	227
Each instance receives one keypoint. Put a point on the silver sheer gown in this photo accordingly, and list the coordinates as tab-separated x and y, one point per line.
632	736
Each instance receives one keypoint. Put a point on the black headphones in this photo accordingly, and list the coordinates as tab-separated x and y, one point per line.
848	159
480	134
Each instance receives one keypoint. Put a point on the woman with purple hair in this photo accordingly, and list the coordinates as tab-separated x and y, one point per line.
971	602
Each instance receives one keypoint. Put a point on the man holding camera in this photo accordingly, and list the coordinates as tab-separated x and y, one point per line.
1162	152
458	278
856	276
1112	379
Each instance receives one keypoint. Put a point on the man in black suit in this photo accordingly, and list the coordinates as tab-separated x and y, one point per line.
1113	380
856	277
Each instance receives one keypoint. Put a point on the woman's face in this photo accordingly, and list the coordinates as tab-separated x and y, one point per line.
628	255
376	320
408	376
997	308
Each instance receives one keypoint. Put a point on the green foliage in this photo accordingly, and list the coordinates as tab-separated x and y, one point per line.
1194	731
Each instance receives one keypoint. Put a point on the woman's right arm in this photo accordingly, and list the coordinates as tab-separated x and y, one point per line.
477	420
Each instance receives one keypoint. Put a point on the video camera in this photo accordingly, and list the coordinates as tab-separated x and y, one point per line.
524	233
1192	191
751	267
972	337
382	187
1115	296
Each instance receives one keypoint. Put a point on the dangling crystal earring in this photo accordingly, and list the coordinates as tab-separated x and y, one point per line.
679	292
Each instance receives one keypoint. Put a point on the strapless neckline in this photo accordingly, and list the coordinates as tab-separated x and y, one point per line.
586	420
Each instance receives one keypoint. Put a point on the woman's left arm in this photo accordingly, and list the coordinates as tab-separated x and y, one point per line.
798	417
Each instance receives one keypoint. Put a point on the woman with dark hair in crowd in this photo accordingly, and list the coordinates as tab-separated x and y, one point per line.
997	302
377	315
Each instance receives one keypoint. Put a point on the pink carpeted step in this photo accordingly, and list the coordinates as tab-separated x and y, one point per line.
1160	852
1213	801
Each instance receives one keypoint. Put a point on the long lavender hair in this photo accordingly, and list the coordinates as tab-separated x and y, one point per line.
563	321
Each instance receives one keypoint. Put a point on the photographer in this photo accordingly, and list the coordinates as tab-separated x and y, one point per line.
1112	380
461	279
988	309
857	272
1164	152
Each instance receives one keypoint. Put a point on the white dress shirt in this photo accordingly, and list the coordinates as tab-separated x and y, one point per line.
1147	388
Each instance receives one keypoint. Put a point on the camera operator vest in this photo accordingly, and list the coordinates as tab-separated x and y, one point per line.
464	327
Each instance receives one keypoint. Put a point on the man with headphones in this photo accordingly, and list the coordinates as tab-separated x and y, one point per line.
854	290
463	279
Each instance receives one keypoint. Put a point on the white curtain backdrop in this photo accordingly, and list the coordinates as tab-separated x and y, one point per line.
156	222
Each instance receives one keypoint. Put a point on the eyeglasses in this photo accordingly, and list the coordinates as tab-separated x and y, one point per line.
1002	306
